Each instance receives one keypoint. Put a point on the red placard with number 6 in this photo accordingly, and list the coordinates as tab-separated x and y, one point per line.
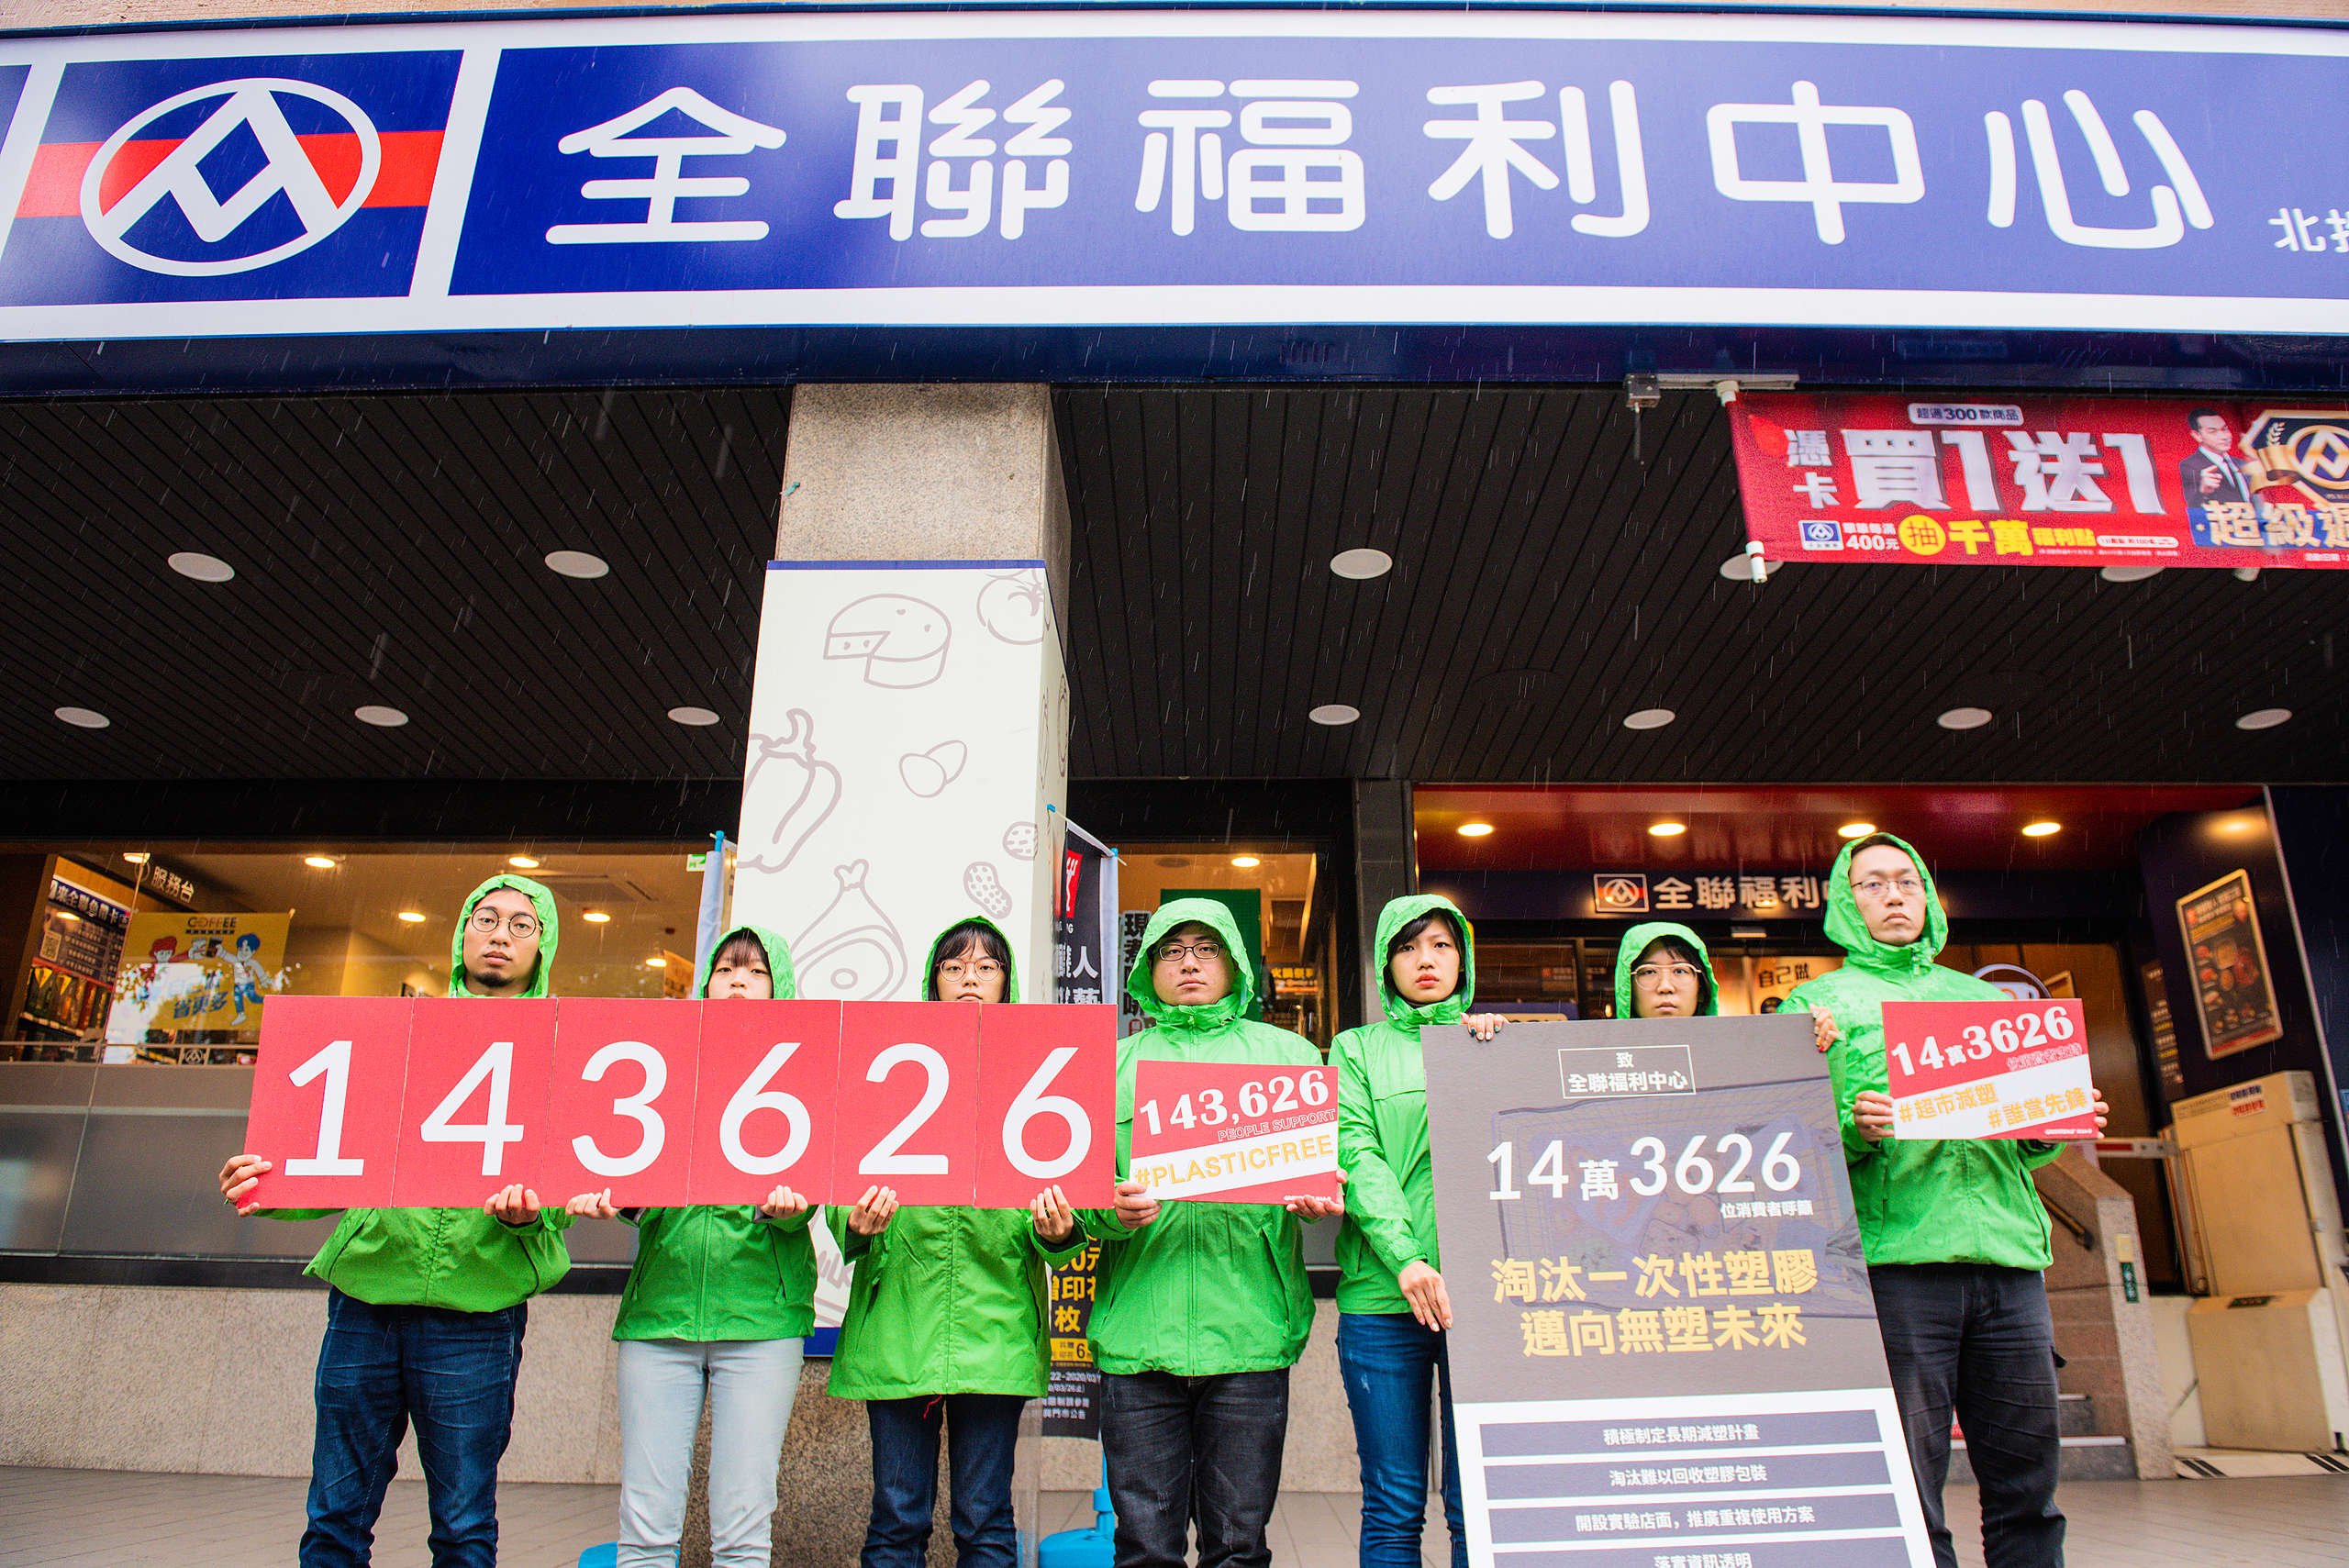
473	1118
1048	1086
325	1109
762	1108
620	1112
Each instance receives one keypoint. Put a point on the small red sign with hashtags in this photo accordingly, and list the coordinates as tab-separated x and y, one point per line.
1990	1070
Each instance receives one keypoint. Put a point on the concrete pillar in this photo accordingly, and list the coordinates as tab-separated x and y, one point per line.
1387	866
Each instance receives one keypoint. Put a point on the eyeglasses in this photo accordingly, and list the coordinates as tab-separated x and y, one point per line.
954	968
1877	886
521	926
1650	976
1206	949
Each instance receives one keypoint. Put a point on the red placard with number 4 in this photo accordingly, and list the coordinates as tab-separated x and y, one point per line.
474	1113
325	1109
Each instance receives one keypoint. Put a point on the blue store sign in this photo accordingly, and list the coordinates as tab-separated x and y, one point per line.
1058	170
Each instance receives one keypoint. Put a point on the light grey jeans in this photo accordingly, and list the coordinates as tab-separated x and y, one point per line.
750	1385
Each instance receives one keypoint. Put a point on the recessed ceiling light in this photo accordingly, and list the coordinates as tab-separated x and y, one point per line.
1964	718
1666	829
319	863
577	564
656	961
2265	719
597	917
382	718
1739	568
2246	574
2129	574
521	862
1362	564
1246	863
202	567
2041	830
84	717
412	917
1856	830
699	718
1475	829
136	857
1334	713
1649	718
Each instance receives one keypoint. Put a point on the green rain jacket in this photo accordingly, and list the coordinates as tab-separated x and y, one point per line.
1382	1125
946	1300
1637	941
460	1259
718	1271
1206	1288
1930	1200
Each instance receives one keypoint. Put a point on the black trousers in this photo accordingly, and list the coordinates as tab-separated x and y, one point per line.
1186	1451
1975	1341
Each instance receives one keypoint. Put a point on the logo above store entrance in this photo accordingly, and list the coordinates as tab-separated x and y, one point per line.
151	202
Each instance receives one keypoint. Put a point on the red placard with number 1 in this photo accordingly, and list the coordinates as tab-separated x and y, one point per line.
326	1110
1989	1070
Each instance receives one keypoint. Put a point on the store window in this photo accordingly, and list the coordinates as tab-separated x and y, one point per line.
1278	900
165	955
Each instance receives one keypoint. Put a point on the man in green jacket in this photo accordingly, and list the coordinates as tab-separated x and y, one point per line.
1955	1235
1202	1307
425	1306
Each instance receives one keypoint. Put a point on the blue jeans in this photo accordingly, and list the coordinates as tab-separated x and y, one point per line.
981	1433
1387	1362
750	1385
379	1368
1976	1341
1194	1450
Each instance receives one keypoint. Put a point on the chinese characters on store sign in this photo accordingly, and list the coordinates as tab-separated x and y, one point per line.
1747	894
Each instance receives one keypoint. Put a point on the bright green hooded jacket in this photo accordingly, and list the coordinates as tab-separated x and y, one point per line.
460	1259
1930	1200
1383	1123
718	1271
1637	941
948	1299
1206	1287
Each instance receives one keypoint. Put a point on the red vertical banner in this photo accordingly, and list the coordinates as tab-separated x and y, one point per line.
907	1070
762	1101
473	1117
326	1108
620	1106
1047	1103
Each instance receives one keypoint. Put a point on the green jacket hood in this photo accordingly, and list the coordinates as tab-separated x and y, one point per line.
778	951
1400	913
542	977
1637	941
1010	968
1847	930
1216	917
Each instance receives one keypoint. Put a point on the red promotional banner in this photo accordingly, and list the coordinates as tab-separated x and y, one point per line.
373	1102
2043	481
1989	1070
1234	1133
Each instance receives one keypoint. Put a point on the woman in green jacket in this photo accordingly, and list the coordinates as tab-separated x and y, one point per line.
1662	971
719	1299
1202	1307
1392	1307
945	1330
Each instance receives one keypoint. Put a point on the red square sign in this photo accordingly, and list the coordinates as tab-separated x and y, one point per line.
326	1109
474	1114
1047	1104
907	1070
762	1105
620	1109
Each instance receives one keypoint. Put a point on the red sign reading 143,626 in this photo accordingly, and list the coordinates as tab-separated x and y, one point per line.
426	1104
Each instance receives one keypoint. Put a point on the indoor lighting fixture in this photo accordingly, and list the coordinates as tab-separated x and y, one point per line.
1649	718
84	717
1666	829
656	961
577	564
597	917
1856	830
1246	863
382	718
521	862
136	857
1964	718
319	863
2129	574
202	567
412	917
2265	719
697	718
1475	829
1360	565
1334	713
2041	830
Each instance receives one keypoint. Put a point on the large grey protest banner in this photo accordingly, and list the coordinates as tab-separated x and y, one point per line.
1664	1349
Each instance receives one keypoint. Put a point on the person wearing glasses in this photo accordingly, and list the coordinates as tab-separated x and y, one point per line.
945	1330
716	1310
1662	971
1202	1307
425	1306
1954	1233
